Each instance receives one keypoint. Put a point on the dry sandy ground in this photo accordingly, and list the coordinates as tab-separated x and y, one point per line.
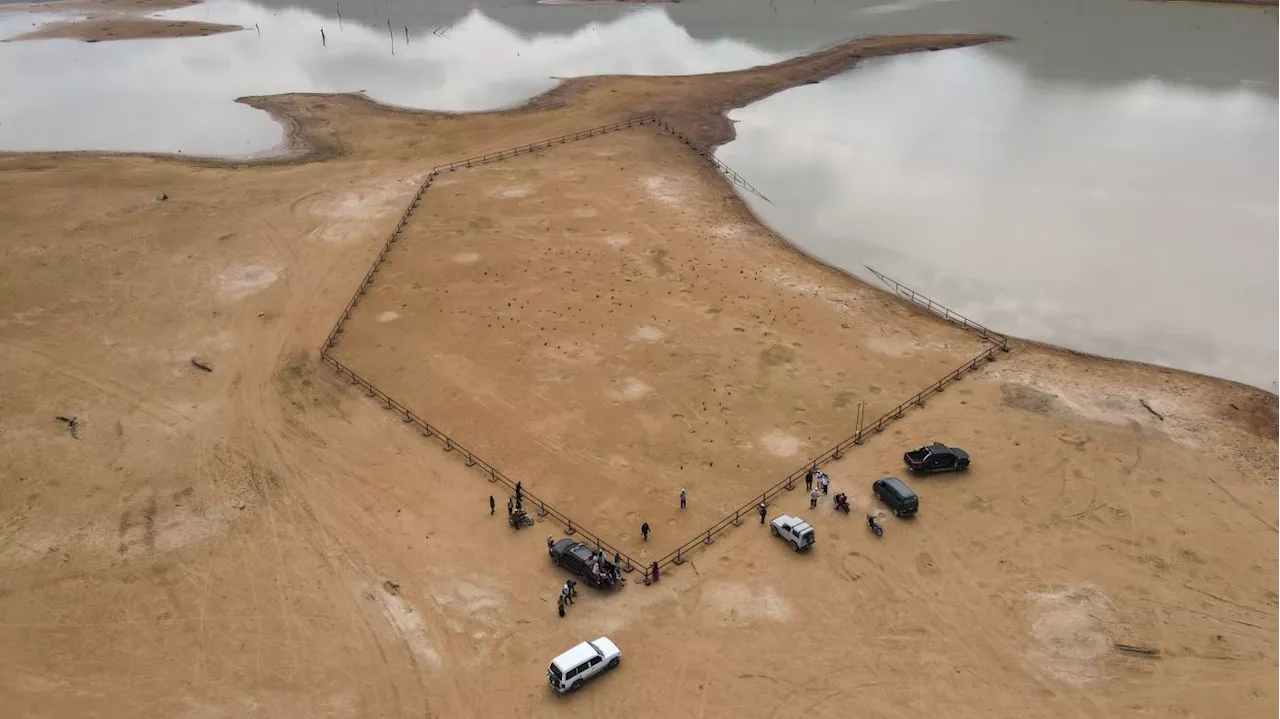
263	541
598	331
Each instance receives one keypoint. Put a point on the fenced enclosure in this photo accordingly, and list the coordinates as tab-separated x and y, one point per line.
997	344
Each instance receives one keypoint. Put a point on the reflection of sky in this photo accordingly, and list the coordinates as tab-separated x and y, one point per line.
1137	221
166	95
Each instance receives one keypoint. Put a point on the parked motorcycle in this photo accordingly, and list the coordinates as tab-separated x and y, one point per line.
874	525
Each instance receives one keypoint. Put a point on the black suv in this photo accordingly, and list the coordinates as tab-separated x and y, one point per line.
895	493
574	556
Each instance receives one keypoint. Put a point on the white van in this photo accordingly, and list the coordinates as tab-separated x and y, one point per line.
571	669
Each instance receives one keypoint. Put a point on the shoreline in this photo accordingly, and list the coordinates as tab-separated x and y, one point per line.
113	20
308	138
93	29
607	321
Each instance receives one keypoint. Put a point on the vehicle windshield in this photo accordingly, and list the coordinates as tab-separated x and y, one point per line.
597	649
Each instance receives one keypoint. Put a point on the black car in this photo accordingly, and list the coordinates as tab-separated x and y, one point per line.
895	493
576	557
936	457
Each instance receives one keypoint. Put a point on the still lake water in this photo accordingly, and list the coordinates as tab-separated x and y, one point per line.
1108	182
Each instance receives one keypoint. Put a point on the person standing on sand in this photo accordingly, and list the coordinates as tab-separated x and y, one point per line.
511	506
560	604
519	492
683	497
492	507
644	531
550	542
825	481
653	571
813	498
764	509
808	480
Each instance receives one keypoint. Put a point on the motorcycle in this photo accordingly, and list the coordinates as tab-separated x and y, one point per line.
842	503
519	519
874	525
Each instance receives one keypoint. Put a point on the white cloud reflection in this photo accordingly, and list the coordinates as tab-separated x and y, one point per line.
1137	220
171	95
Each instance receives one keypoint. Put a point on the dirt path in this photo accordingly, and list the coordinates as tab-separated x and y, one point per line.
261	540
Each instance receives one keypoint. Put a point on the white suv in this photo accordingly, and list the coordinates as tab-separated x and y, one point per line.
571	669
793	529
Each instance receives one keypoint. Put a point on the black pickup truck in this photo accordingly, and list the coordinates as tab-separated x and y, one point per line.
936	457
576	557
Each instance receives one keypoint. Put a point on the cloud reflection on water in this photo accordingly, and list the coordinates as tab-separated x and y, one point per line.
175	94
1137	220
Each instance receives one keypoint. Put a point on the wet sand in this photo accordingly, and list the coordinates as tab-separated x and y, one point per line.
105	29
263	540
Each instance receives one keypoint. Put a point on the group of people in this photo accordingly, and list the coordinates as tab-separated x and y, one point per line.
600	571
822	480
515	503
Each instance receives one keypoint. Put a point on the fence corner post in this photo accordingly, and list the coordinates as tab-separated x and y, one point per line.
569	529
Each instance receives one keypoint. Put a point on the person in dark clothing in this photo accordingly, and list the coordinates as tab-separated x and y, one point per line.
644	531
763	511
492	506
683	497
808	480
519	504
519	492
653	571
511	506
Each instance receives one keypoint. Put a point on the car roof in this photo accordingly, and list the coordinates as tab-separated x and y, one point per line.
564	544
797	524
575	656
898	486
